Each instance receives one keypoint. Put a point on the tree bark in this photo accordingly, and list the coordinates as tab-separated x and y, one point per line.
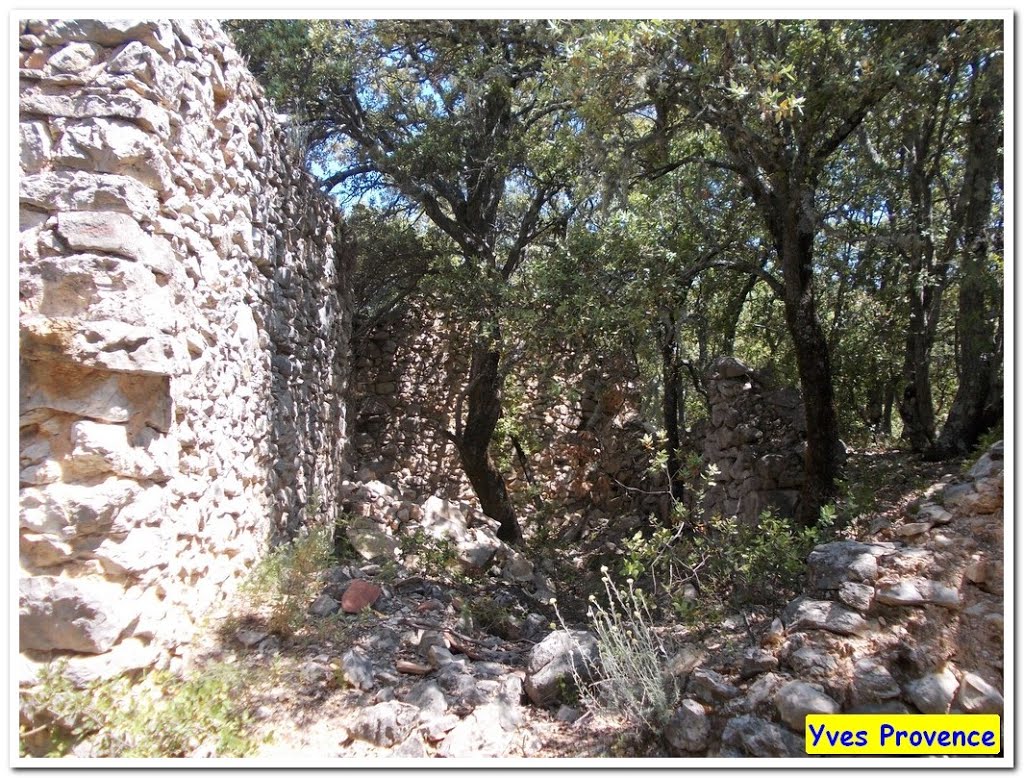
671	375
473	439
979	358
792	229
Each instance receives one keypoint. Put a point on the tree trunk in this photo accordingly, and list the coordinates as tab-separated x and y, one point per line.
792	227
671	376
483	409
916	407
979	359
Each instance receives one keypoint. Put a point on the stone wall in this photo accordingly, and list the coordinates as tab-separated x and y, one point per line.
582	442
184	328
755	439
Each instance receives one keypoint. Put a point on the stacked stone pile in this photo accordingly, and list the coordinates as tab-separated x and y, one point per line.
883	626
755	440
182	335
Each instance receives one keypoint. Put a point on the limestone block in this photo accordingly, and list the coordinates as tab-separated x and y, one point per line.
74	57
117	233
136	552
114	146
918	591
76	614
797	699
43	550
806	613
35	145
130	654
100	287
933	693
107	345
831	564
95	394
109	32
67	190
553	661
73	510
149	67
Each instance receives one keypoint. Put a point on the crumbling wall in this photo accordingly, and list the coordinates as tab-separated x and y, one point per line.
755	439
581	442
184	328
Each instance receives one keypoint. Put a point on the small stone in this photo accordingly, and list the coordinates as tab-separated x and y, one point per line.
831	564
710	687
411	748
358	669
918	591
435	729
797	699
685	660
428	697
439	656
688	728
933	693
359	594
758	737
567	713
976	695
763	689
757	661
323	606
857	595
805	613
912	529
813	660
872	682
250	637
976	571
386	723
487	731
555	662
935	514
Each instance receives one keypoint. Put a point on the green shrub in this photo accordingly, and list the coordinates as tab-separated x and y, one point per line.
288	578
158	716
434	557
707	567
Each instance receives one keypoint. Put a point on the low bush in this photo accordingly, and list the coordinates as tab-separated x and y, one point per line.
159	715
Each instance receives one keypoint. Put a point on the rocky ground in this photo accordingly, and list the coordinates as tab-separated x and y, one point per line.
905	614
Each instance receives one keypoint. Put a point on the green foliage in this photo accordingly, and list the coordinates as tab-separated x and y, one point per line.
985	442
158	716
288	577
432	556
703	567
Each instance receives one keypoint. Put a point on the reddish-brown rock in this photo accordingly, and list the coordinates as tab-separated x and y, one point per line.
359	595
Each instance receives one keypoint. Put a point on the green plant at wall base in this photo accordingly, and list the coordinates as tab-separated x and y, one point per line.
158	716
437	557
288	578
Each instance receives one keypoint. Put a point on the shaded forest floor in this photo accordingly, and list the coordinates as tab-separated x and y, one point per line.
305	698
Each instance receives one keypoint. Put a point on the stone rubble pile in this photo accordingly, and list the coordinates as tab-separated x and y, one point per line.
183	327
430	685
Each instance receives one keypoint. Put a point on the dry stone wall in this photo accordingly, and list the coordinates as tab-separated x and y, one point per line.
581	443
183	326
755	440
